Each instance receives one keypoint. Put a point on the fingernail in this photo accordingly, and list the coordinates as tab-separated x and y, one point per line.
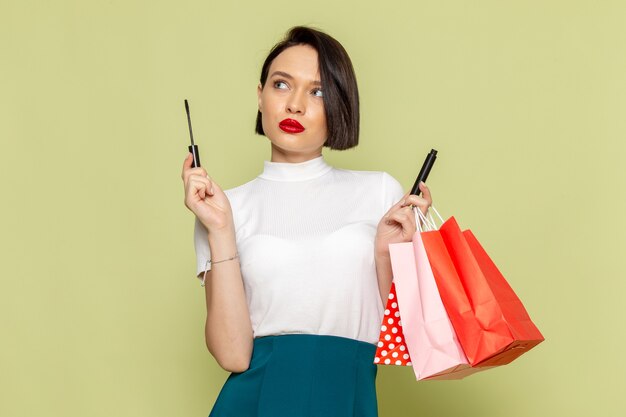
212	190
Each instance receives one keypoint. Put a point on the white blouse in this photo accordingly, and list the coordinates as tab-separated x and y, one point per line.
305	237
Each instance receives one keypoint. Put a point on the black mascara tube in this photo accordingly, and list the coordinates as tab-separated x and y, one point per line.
423	174
193	148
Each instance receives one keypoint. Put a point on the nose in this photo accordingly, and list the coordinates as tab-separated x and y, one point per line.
296	103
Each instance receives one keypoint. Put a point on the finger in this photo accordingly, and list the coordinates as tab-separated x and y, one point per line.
199	175
397	215
188	169
396	207
212	186
204	179
215	185
425	192
405	219
403	215
200	185
186	164
422	204
399	203
194	191
195	171
415	200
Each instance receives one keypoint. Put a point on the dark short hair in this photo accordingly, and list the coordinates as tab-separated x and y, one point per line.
340	91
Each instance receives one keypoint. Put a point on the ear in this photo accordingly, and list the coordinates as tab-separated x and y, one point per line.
259	90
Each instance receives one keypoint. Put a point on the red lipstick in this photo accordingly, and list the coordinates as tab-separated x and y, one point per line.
291	126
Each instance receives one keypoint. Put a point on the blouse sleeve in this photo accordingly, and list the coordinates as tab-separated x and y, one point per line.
201	244
392	191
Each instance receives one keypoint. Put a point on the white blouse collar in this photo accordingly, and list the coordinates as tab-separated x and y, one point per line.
298	171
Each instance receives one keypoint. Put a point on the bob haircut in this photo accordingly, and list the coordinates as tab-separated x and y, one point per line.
340	92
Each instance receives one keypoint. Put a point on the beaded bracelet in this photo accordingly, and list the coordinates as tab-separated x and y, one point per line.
206	266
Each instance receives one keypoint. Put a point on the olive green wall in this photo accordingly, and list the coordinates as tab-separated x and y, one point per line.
100	312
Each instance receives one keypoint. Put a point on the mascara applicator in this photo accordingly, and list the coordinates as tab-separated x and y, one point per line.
423	174
193	148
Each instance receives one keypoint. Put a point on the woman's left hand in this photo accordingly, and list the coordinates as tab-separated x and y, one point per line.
398	224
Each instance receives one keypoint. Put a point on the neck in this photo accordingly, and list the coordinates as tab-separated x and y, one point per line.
295	171
279	155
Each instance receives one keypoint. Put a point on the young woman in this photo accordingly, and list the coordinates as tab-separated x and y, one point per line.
295	262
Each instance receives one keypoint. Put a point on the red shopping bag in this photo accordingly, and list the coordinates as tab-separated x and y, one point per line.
501	329
523	331
453	295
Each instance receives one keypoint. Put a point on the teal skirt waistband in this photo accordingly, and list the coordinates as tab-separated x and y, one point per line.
303	375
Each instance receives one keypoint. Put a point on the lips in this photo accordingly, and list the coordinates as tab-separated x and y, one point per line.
291	126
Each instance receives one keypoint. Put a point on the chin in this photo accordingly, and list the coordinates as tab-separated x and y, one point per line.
288	137
290	146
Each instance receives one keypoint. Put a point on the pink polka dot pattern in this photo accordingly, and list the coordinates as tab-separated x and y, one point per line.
391	349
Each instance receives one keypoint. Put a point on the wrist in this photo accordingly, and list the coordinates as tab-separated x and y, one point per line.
222	242
382	254
223	232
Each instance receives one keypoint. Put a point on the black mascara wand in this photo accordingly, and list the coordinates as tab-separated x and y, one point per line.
423	175
193	148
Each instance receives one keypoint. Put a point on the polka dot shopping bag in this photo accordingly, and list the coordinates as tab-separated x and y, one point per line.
391	348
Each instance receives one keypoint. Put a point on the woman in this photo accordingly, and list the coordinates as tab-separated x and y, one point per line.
295	303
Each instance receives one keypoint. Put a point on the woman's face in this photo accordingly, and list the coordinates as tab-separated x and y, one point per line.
292	95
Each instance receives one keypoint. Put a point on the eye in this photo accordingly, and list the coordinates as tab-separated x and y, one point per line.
318	92
277	83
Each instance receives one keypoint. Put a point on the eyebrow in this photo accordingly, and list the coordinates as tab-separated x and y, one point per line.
284	74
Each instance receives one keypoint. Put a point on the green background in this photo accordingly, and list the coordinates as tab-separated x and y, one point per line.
100	311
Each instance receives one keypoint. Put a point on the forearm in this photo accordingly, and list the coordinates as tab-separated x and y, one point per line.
384	274
228	328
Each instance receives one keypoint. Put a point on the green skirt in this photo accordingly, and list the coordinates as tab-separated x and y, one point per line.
303	375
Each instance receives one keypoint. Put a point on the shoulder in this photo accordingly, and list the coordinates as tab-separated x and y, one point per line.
363	175
240	191
390	183
381	183
381	179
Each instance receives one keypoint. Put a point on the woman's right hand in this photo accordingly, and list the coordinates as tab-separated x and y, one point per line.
205	198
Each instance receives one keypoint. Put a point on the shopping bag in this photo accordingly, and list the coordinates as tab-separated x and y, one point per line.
489	319
452	294
391	348
433	349
523	334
